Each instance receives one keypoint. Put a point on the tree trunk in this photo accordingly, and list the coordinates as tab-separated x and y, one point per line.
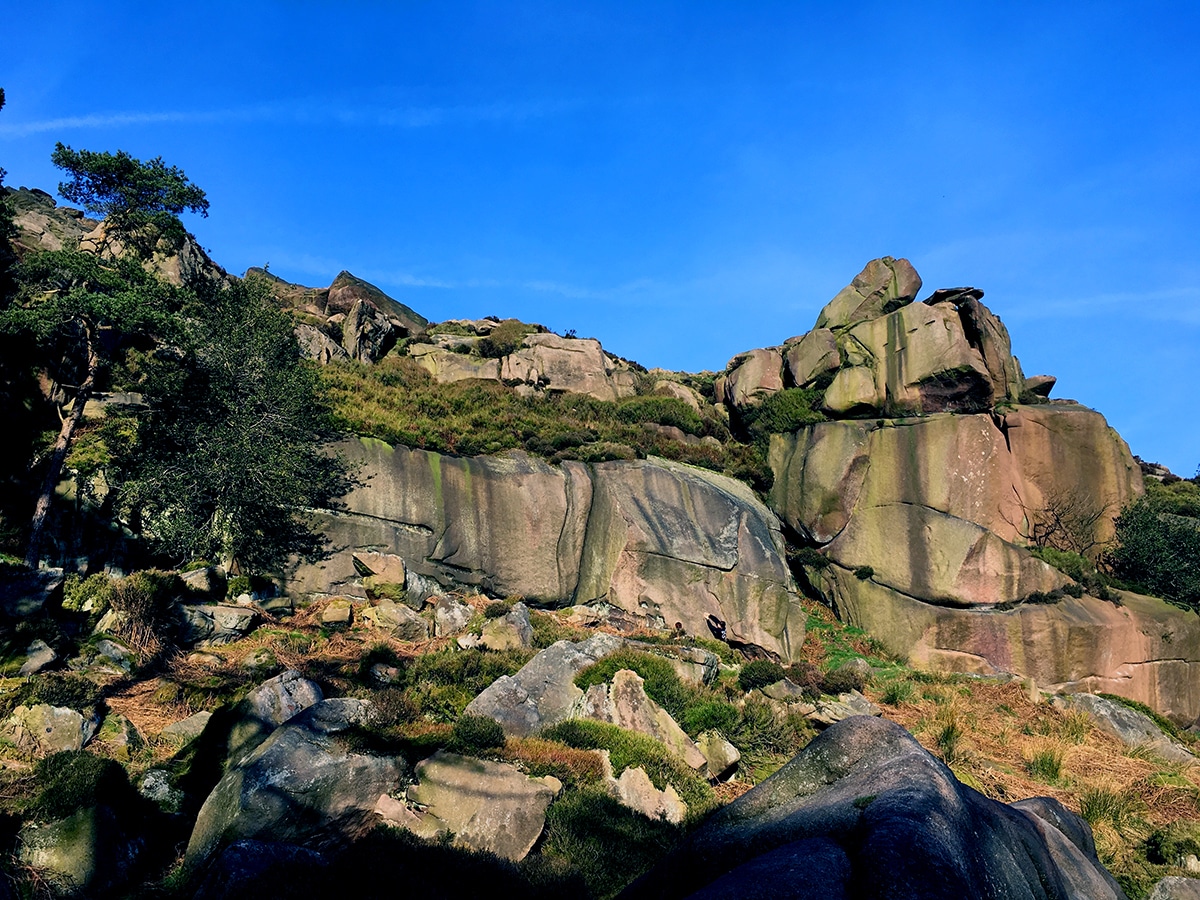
58	456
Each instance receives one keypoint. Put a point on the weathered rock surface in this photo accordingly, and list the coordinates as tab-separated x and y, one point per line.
543	691
720	756
865	812
397	620
38	656
268	706
1175	887
635	790
43	729
662	541
87	853
450	615
510	631
250	870
578	365
299	784
754	376
1144	649
851	703
811	356
486	805
216	623
883	285
186	730
624	703
1129	726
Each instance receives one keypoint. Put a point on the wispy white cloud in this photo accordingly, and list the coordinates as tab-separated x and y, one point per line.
304	113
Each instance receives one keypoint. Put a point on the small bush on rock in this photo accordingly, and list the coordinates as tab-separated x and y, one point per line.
759	673
841	681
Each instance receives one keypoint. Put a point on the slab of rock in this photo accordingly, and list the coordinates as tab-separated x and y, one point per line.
543	692
852	703
209	583
316	345
1176	887
337	612
187	730
883	285
720	756
624	703
450	615
812	356
1040	385
1130	727
215	624
156	786
43	729
397	620
486	805
785	691
511	631
635	790
298	784
578	365
121	736
38	656
88	853
865	811
268	706
24	592
664	542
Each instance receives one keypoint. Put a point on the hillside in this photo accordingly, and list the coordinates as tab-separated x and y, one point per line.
637	612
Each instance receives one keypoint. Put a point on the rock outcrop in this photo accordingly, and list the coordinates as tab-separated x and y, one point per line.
673	545
864	811
300	783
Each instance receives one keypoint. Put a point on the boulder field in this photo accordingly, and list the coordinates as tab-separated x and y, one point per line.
674	546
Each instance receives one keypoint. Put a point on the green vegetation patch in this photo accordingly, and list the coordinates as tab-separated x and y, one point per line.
628	748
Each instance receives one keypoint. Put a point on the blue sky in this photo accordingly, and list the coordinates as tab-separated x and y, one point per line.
683	181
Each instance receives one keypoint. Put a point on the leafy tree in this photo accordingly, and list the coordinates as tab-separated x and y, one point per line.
231	449
140	201
1158	551
79	306
8	231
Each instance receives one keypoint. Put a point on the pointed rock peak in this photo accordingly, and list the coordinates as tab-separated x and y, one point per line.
884	285
347	288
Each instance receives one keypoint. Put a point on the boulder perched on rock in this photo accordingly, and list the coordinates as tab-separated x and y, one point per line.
300	783
397	620
510	631
666	543
865	812
883	285
485	805
752	377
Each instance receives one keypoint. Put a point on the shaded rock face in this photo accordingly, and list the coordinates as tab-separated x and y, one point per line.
85	854
299	784
664	542
865	812
1130	726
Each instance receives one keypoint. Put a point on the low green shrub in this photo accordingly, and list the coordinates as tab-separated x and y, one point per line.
72	780
92	594
841	681
1046	765
710	714
627	749
1117	808
476	734
1168	845
605	842
57	689
897	692
661	683
759	673
782	413
864	573
497	609
660	411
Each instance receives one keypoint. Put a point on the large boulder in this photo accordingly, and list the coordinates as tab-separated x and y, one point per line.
42	729
347	290
664	542
447	366
811	356
1143	649
299	784
754	376
1131	727
578	365
865	812
883	285
86	854
543	692
485	805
